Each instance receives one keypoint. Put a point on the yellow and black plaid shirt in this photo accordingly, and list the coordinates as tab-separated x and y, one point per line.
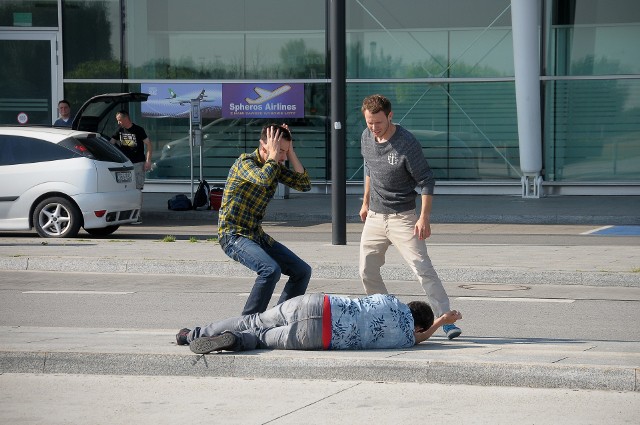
250	186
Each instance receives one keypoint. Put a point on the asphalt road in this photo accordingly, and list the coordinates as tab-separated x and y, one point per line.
173	301
538	314
34	298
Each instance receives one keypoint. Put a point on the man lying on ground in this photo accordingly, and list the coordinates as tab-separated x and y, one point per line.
322	322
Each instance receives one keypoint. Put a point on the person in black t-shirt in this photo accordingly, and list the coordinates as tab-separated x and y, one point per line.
131	139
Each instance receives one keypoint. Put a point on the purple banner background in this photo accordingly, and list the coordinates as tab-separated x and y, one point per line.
255	100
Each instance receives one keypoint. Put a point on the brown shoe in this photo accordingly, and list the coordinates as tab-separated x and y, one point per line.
181	336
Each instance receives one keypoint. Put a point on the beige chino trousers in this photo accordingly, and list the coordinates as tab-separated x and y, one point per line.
382	230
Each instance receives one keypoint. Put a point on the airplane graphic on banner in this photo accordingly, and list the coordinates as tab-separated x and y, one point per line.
173	97
174	100
267	95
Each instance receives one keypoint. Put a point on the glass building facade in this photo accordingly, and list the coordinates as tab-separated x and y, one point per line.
447	66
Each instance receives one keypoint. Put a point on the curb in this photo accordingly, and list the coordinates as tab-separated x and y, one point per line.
533	375
211	217
320	271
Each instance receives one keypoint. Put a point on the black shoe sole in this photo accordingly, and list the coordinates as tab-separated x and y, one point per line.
208	344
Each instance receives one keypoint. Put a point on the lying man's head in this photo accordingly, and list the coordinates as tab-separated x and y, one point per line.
422	315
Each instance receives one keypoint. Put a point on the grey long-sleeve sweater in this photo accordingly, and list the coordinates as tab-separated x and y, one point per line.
395	168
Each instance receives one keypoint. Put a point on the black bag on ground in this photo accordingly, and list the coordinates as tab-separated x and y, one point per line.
201	197
179	203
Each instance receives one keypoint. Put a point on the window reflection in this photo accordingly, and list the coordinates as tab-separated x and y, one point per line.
595	131
426	39
596	37
204	39
598	50
91	50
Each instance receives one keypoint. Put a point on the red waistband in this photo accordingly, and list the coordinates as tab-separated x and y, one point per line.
326	323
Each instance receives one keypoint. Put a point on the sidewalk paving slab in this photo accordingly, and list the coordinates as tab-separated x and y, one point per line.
474	361
592	265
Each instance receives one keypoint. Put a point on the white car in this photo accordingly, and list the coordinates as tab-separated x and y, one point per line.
58	180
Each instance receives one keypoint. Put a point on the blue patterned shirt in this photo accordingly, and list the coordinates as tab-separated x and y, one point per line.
376	321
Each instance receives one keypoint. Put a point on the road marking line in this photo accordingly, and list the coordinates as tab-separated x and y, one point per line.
80	292
617	231
512	299
596	230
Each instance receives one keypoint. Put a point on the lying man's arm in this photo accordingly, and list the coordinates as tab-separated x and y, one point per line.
449	317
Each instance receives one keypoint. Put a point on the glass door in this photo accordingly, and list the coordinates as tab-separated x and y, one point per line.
28	77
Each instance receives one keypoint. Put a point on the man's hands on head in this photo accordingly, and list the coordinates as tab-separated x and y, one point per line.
272	144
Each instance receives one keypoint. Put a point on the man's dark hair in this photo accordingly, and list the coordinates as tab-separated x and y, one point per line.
422	314
123	113
65	101
286	134
376	103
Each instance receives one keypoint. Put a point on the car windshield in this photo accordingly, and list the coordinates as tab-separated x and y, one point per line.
94	147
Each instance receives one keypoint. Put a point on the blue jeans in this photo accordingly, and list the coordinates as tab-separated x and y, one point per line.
292	325
269	262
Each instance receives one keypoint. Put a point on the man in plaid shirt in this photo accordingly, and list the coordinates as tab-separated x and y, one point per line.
251	184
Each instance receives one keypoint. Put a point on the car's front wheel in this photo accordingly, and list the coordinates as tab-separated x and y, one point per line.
57	218
102	231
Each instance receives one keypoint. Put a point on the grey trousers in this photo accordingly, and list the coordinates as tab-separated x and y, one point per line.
296	324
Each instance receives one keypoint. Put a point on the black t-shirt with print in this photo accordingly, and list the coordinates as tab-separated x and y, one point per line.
131	142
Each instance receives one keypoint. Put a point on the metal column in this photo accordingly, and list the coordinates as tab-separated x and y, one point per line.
195	138
526	56
337	29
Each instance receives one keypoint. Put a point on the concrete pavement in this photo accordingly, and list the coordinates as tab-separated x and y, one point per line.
72	399
544	363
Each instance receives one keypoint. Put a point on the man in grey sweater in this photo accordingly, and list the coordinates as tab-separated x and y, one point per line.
395	167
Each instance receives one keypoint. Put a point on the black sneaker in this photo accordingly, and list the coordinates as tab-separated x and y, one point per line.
208	344
181	336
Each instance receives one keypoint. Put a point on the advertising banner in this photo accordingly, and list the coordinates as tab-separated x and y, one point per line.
268	100
173	100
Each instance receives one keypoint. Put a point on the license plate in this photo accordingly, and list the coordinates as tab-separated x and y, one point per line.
123	176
